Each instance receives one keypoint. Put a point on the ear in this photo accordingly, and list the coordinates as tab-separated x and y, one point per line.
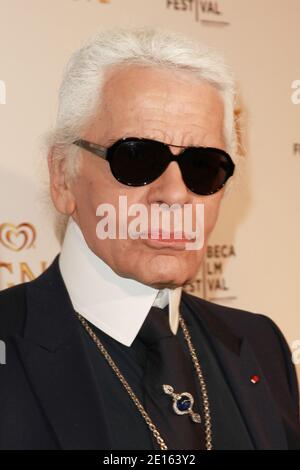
60	187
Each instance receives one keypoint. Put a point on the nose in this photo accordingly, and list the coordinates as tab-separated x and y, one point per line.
169	188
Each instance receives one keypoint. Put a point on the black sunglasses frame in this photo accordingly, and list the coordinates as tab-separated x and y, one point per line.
105	152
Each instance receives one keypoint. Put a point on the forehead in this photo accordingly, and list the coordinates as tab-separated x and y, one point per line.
136	84
135	98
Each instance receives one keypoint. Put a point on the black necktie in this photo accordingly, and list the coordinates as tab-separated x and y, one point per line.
168	363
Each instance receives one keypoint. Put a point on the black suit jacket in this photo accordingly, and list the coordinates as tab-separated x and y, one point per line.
48	398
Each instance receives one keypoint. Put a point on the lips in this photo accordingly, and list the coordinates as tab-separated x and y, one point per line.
164	236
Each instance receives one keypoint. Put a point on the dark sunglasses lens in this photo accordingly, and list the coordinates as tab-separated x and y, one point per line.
136	163
205	170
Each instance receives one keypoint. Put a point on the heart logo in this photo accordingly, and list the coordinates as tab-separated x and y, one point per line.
17	237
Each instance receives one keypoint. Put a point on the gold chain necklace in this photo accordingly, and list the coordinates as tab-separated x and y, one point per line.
149	422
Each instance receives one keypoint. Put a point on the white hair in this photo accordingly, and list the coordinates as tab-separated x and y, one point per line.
84	76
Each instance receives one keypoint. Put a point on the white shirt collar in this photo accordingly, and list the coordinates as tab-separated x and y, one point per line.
114	304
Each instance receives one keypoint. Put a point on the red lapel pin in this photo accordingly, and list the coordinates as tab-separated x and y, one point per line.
255	379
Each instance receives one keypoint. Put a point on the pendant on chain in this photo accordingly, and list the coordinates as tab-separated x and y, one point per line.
182	403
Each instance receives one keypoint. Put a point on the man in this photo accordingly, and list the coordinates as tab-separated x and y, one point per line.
104	350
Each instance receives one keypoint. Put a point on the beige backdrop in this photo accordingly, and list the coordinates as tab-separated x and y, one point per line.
254	254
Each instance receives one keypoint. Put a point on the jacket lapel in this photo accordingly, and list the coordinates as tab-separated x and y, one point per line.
239	364
55	360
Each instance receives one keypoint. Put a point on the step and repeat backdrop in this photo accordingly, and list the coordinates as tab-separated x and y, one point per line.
253	258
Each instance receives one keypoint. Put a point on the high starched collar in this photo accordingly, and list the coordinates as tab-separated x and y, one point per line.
116	305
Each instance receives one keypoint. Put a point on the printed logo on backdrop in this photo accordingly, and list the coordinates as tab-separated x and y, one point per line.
17	237
204	11
17	240
211	283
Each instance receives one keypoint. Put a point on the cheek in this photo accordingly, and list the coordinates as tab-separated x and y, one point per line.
92	189
86	195
211	211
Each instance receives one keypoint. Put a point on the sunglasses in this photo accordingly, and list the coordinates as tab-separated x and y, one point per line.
136	162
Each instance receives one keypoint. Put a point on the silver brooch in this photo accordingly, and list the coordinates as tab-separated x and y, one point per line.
182	403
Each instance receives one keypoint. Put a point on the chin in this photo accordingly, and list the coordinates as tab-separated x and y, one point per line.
159	281
159	272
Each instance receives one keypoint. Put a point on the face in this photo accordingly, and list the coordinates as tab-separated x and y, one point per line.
174	108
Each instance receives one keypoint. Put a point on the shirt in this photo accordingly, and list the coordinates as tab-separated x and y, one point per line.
116	305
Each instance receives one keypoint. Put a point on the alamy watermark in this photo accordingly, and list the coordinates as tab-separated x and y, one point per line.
2	352
295	346
295	97
2	92
175	224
